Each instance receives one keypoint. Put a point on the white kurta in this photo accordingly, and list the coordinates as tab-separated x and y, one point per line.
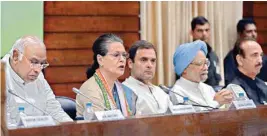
150	98
37	92
200	93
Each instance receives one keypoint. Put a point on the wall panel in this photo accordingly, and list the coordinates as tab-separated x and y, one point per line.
257	11
70	28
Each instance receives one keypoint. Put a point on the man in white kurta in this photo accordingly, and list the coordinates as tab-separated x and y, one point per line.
24	78
200	93
150	98
142	62
191	65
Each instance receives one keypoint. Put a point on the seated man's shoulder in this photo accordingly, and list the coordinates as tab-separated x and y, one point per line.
177	88
204	85
128	90
160	90
237	81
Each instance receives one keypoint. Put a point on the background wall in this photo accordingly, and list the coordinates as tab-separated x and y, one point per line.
70	28
18	19
257	11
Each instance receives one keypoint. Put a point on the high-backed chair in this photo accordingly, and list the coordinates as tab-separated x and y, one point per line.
68	105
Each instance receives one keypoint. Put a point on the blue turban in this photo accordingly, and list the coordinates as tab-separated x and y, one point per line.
186	53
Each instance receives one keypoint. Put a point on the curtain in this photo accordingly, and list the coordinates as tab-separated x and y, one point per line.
168	24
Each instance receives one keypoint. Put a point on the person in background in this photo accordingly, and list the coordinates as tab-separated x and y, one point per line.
245	28
201	31
248	58
24	64
191	65
150	98
102	87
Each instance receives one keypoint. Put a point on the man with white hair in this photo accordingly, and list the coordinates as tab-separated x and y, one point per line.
191	65
24	64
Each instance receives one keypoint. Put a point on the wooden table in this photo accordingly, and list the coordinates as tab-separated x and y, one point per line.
226	123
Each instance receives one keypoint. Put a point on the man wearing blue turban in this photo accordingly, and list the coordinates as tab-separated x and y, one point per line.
191	65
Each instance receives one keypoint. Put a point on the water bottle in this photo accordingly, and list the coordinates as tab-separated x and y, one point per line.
186	100
20	114
241	97
88	114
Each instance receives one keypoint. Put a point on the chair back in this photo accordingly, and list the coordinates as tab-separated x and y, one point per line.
68	105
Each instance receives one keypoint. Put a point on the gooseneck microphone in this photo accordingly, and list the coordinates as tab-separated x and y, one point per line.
44	112
167	90
77	91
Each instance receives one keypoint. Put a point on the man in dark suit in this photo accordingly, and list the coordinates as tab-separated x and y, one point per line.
247	55
245	28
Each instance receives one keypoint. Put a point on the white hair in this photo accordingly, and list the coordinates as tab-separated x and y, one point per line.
21	43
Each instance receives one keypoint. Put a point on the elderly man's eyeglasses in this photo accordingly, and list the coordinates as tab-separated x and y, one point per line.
202	63
36	64
117	55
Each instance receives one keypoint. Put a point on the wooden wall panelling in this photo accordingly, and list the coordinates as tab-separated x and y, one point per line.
70	28
82	40
71	74
248	8
257	11
92	8
260	9
70	57
91	23
262	37
261	23
66	74
264	48
65	89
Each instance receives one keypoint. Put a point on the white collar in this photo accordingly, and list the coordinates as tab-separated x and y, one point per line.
188	82
133	80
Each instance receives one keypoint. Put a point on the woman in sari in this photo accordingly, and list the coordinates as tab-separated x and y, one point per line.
102	87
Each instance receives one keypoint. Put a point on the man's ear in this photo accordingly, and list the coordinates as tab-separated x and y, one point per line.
184	72
130	63
16	56
239	60
100	60
191	32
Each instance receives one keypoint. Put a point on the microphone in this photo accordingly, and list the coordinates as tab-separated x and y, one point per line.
236	89
77	91
11	92
167	90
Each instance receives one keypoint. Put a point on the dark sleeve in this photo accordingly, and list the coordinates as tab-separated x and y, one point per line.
213	77
263	73
229	68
